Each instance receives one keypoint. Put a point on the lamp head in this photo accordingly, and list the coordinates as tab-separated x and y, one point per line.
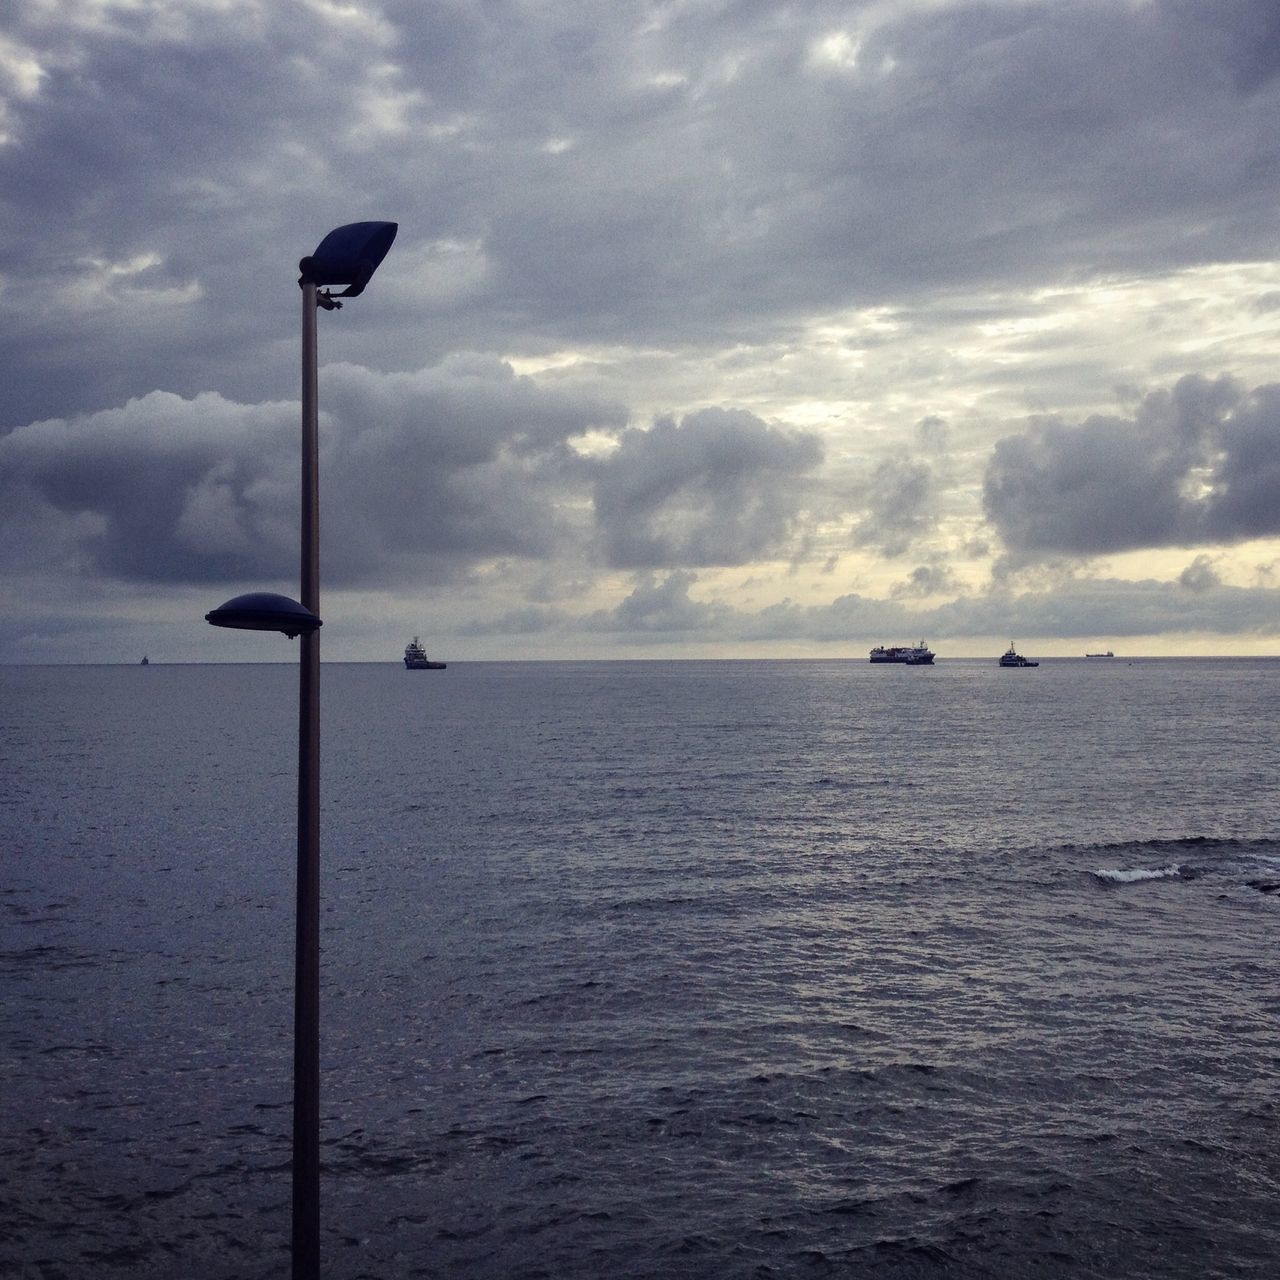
349	255
265	611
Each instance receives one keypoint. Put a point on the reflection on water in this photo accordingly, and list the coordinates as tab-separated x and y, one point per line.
644	969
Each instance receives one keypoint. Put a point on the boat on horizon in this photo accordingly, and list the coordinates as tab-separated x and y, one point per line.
415	658
911	655
1012	658
1108	654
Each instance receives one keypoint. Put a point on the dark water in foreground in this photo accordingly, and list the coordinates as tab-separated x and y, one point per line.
649	969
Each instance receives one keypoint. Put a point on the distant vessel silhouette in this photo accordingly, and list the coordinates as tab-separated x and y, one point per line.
1108	654
415	658
917	655
1011	658
146	662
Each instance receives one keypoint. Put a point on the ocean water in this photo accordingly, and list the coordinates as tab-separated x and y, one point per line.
723	969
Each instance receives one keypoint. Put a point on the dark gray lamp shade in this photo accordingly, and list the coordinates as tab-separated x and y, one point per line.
265	611
349	255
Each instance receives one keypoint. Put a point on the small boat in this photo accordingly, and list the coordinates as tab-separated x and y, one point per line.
1108	654
415	658
146	662
1011	658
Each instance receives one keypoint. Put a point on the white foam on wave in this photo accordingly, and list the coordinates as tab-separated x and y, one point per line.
1131	875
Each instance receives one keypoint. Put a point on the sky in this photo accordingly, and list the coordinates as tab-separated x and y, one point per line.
713	328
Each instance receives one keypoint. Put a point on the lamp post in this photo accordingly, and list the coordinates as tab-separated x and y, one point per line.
348	255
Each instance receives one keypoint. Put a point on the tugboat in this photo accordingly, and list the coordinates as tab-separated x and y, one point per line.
1010	658
415	658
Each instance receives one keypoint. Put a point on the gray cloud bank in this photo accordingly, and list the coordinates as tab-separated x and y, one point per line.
1198	464
594	171
722	488
426	475
432	474
662	610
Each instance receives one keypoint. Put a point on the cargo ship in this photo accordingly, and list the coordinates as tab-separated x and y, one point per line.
913	655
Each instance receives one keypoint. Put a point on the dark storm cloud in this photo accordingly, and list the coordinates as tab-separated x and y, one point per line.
147	134
1197	464
634	173
423	475
439	469
163	489
720	488
967	142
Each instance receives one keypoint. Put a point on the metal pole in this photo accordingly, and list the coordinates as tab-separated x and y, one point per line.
306	1011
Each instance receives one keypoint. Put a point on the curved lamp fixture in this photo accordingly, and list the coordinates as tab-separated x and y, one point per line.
265	611
348	255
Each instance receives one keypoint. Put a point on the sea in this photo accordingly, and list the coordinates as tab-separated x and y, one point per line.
648	969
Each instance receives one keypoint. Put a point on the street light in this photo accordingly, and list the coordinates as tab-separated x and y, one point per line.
348	255
265	611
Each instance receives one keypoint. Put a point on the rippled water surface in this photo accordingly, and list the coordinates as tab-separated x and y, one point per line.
649	969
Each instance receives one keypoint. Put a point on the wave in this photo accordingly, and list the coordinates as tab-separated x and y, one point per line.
1131	875
1186	858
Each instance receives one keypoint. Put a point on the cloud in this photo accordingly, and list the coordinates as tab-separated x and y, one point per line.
440	469
926	580
1244	495
598	180
162	490
423	475
660	606
719	488
1197	464
900	500
1110	607
871	235
1200	575
666	610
